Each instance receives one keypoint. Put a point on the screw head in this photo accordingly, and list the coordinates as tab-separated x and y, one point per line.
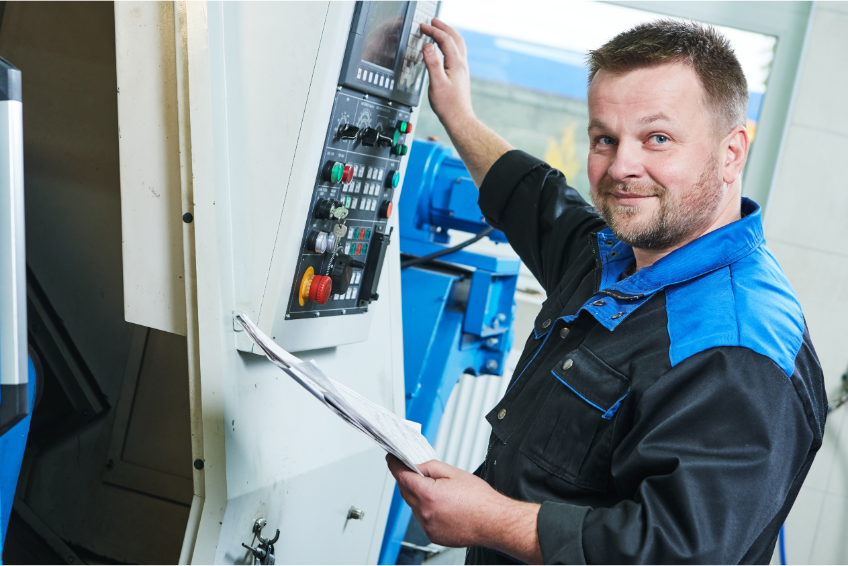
187	217
198	464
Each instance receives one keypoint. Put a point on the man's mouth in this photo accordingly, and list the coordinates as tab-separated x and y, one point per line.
630	199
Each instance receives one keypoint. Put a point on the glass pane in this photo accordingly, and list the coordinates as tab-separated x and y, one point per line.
528	80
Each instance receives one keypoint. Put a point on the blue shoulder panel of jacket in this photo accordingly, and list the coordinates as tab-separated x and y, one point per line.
748	303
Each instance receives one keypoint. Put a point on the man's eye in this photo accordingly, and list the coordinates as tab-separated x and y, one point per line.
659	138
606	140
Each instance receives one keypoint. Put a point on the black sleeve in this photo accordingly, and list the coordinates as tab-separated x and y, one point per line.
543	218
718	450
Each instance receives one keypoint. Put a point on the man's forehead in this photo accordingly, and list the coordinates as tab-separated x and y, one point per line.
664	93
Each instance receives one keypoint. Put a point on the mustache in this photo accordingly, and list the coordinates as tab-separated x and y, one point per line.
608	186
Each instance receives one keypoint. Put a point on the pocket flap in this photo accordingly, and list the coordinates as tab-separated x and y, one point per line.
593	381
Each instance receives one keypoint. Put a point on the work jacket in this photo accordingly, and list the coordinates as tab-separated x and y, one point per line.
667	417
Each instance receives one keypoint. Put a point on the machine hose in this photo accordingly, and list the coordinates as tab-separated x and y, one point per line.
430	257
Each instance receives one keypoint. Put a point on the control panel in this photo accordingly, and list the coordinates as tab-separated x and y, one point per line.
345	235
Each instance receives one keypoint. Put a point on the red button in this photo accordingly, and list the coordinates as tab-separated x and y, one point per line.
386	209
347	176
358	249
362	233
408	128
319	290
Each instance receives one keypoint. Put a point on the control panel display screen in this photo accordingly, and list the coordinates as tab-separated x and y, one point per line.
383	35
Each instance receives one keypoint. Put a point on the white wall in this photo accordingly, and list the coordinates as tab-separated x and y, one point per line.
806	227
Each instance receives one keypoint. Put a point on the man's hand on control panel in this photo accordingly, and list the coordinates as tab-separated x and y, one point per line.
459	509
450	97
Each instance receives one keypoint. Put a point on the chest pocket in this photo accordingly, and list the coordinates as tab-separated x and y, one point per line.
571	436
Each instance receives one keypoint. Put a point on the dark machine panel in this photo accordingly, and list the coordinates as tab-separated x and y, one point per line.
365	143
345	237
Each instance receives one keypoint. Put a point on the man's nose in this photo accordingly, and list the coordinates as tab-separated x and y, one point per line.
627	163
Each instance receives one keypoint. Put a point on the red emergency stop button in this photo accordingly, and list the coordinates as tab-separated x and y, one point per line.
319	289
347	174
386	209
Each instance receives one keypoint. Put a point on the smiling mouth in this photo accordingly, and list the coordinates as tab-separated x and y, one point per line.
630	199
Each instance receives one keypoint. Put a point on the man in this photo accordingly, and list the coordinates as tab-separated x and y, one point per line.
669	402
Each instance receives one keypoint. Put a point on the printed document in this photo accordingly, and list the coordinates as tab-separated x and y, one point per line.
392	433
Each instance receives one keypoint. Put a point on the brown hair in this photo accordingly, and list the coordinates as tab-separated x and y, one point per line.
701	46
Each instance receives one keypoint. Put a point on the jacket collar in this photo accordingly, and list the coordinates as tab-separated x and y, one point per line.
711	251
614	300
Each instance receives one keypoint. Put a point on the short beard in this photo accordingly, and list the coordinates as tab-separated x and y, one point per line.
678	217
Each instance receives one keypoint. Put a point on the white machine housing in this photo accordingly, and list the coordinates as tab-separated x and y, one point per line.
223	117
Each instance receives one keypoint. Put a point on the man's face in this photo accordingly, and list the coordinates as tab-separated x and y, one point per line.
654	156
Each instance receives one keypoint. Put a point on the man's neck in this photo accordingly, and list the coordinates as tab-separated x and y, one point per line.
730	212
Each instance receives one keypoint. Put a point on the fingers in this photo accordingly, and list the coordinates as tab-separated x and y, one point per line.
447	44
436	469
406	478
460	41
434	65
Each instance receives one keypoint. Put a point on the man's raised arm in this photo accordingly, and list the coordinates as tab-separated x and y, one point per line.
450	97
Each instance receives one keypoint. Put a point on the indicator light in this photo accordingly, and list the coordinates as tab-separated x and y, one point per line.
368	234
347	202
352	249
394	179
347	174
361	233
364	248
358	249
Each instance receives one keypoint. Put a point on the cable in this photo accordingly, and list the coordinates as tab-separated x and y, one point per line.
446	251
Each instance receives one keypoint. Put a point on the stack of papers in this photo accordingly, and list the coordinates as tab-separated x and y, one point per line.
393	434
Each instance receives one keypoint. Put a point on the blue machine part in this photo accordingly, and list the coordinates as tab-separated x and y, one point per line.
457	313
12	445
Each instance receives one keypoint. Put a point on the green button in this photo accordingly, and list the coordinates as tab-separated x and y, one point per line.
347	202
403	127
395	137
338	171
395	179
364	248
400	149
368	234
352	249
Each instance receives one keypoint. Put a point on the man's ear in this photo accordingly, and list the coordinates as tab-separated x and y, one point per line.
735	148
